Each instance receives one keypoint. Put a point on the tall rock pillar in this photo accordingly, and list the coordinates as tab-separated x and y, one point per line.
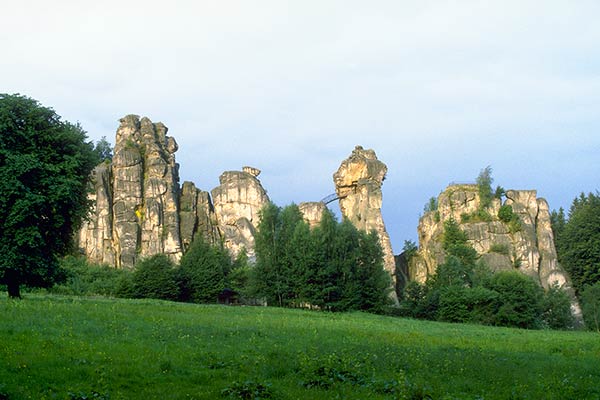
358	184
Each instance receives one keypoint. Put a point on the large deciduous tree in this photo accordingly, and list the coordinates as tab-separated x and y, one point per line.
44	168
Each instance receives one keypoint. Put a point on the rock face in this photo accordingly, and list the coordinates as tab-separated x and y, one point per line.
237	204
358	184
140	209
312	212
527	247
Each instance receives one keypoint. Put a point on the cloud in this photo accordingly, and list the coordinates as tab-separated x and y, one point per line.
438	89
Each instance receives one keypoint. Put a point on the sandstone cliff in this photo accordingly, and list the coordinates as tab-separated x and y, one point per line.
358	184
140	209
237	203
526	244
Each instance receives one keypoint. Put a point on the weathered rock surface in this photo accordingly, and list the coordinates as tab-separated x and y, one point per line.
95	235
312	212
196	215
237	203
529	249
358	184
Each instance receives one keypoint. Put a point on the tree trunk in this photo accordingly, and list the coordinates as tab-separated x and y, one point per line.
14	290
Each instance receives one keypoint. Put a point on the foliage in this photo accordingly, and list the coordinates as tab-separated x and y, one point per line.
150	349
154	278
479	215
578	242
83	278
455	243
558	221
557	309
103	150
484	186
590	305
519	300
506	215
432	205
202	271
333	266
248	390
500	248
44	168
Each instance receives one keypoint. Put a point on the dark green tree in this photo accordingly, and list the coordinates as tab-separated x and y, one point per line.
154	278
103	150
484	186
45	164
578	244
203	270
590	305
557	309
519	300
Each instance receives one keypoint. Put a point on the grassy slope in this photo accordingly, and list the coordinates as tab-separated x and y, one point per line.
125	349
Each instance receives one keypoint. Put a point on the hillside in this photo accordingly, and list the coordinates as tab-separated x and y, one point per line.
68	347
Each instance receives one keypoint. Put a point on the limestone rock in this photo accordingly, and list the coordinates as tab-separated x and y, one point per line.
358	184
237	203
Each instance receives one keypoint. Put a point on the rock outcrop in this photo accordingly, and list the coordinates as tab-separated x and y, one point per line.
237	204
140	209
358	184
526	244
312	212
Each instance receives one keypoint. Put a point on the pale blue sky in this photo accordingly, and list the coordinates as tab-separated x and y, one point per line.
439	89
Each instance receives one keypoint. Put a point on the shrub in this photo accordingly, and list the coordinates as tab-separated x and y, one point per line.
590	305
465	304
154	278
505	213
499	248
202	272
480	215
557	309
519	300
83	278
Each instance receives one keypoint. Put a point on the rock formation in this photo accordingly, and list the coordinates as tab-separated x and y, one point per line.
237	204
312	212
358	184
140	209
526	246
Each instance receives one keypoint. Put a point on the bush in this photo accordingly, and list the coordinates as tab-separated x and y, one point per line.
154	278
202	272
557	309
519	300
465	304
590	305
499	248
82	278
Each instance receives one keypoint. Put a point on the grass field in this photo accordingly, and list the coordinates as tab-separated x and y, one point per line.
54	347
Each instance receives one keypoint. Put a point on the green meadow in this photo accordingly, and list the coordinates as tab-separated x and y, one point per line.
58	347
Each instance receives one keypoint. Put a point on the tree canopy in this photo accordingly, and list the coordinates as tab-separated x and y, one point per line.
44	168
578	240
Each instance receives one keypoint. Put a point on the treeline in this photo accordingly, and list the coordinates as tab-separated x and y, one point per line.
331	267
464	290
577	239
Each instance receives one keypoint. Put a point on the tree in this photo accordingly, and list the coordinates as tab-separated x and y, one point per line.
202	271
590	305
578	243
154	278
484	185
45	165
103	150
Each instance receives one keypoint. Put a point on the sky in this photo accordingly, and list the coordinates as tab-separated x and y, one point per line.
439	89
